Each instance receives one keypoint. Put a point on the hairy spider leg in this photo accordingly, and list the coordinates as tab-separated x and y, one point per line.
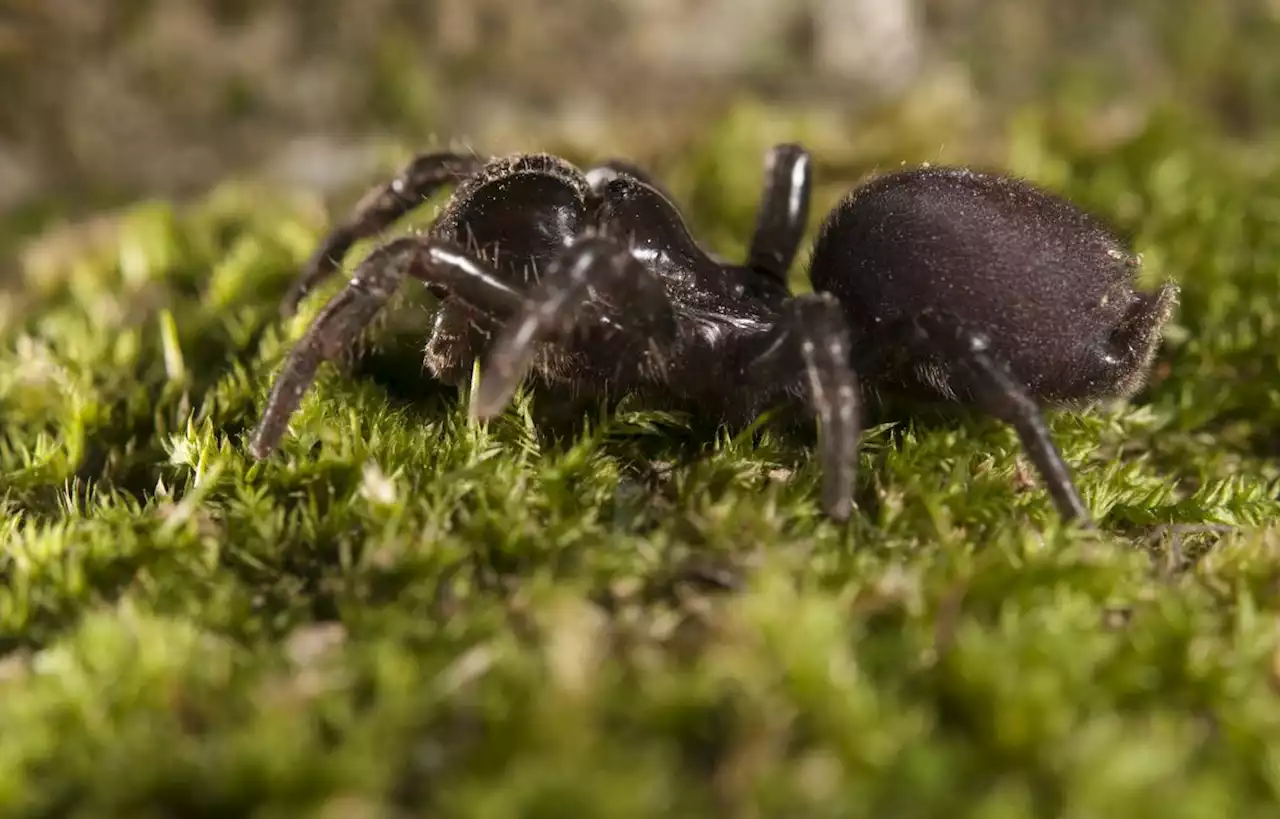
998	393
379	208
784	210
592	270
812	337
443	266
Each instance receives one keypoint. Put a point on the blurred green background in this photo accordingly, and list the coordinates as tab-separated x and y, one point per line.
108	101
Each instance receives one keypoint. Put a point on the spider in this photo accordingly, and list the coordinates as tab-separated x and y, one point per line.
942	283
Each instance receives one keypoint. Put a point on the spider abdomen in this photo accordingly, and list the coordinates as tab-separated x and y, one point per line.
1049	286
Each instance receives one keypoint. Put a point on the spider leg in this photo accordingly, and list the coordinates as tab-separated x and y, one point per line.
784	211
379	208
998	393
441	265
592	270
812	336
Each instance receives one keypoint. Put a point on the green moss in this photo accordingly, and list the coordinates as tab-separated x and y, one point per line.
406	612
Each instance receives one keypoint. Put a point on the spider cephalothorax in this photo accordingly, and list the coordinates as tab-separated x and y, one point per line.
947	283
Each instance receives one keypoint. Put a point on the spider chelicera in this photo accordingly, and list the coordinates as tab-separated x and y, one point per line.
942	283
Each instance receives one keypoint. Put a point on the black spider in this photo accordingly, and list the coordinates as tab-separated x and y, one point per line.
943	283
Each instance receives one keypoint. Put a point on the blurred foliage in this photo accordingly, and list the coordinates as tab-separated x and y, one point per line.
1216	59
122	98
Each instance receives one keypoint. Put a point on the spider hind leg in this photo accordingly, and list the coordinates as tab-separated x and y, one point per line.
998	393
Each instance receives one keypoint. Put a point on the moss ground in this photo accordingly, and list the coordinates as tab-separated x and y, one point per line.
407	614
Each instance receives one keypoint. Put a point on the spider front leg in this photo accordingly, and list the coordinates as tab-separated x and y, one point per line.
594	271
784	211
376	212
812	337
444	267
998	393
